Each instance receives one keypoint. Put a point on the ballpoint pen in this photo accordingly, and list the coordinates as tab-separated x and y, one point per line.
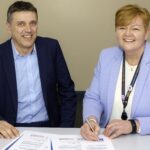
92	129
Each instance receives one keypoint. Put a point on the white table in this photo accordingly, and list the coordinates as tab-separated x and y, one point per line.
126	142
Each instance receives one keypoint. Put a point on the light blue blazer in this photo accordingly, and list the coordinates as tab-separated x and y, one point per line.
99	98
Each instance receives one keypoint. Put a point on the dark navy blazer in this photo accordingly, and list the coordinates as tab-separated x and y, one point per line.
57	85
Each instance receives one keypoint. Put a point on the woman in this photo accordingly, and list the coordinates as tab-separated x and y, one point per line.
119	96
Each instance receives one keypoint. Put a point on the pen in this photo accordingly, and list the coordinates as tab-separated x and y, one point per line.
91	128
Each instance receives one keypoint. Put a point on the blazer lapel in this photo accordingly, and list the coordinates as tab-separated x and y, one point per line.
9	68
144	72
115	68
42	61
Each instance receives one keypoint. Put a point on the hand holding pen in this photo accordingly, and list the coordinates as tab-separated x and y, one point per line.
90	130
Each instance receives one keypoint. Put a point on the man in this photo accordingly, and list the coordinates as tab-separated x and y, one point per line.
33	74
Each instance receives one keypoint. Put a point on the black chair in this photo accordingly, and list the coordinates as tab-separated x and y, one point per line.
78	120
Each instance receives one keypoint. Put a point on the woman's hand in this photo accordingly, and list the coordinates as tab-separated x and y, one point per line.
86	131
117	127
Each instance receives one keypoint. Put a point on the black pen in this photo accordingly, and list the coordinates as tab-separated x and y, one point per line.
92	128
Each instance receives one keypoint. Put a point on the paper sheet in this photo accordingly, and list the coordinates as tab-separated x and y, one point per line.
104	144
76	142
33	140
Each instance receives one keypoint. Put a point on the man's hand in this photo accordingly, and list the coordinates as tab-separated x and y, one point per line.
117	127
87	133
7	131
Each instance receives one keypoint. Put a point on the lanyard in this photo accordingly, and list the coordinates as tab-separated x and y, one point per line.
124	97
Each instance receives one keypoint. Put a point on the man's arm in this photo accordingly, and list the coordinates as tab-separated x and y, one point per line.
66	91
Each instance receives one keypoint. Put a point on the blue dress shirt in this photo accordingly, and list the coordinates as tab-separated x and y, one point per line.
31	106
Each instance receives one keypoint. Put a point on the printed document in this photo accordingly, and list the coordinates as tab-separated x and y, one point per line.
103	144
76	142
33	140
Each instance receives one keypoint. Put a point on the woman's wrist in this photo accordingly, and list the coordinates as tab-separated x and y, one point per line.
92	119
138	130
135	126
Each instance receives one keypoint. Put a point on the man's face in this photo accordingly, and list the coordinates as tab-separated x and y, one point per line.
23	29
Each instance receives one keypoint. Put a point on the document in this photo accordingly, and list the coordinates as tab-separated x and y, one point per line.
33	140
76	142
67	142
103	144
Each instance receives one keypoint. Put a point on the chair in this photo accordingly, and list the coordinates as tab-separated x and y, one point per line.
78	120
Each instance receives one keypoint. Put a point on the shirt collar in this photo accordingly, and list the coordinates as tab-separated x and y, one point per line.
17	54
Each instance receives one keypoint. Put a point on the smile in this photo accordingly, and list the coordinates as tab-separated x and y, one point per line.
128	40
27	36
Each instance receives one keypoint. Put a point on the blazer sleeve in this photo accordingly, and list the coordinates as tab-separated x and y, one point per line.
91	102
144	125
66	90
2	84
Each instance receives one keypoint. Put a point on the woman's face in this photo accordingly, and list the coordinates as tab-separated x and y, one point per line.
132	38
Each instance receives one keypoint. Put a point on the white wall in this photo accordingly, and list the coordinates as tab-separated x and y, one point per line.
83	27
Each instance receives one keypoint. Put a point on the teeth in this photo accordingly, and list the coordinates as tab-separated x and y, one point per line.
128	40
27	36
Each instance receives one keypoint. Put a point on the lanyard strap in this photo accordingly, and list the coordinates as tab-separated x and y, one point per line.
125	98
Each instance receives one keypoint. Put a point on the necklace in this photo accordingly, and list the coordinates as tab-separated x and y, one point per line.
130	68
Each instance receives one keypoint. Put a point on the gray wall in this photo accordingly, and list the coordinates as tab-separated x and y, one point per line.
83	28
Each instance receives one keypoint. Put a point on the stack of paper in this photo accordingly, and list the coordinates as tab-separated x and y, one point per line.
32	140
